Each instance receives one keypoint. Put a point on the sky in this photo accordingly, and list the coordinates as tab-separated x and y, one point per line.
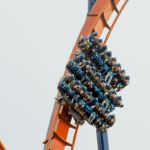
36	39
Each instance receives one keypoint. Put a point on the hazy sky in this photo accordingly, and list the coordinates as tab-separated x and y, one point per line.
36	39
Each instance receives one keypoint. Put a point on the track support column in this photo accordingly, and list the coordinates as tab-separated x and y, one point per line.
102	140
90	4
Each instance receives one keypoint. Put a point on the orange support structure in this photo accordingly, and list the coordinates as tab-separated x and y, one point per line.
2	146
60	123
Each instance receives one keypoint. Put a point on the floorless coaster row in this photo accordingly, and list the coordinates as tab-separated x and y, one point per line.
92	86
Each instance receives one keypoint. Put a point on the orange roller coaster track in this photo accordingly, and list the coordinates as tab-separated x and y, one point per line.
2	146
60	123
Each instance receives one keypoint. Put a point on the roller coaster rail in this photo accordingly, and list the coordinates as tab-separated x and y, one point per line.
99	13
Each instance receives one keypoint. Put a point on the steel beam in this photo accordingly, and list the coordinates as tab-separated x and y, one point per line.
90	4
102	140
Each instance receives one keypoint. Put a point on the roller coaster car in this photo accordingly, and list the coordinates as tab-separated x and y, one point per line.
91	88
